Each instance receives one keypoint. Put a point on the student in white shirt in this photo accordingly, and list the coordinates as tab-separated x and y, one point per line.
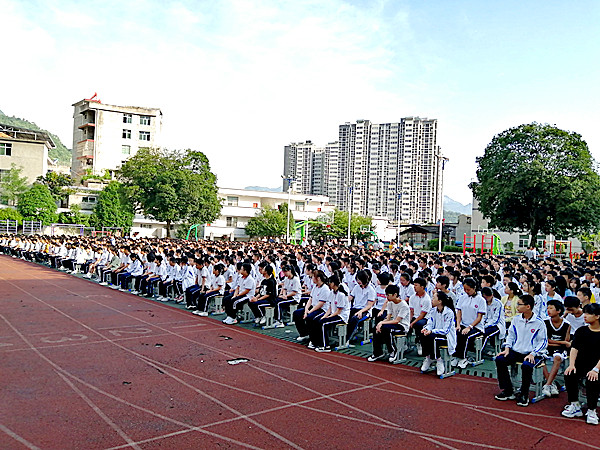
290	293
419	304
243	293
313	309
337	310
470	311
362	299
217	287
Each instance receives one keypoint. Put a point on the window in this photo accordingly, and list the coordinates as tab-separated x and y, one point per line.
144	120
299	206
232	201
5	149
232	221
126	134
126	149
126	118
144	135
146	225
88	199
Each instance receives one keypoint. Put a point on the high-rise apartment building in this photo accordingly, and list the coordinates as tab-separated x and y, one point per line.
391	169
104	136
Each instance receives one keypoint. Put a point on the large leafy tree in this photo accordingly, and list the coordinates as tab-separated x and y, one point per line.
37	204
57	183
269	222
113	208
172	186
13	184
540	179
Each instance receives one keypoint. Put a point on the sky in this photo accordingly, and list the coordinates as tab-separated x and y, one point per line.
240	79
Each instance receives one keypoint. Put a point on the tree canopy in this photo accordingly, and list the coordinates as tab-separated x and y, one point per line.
12	184
269	222
37	204
339	228
57	183
540	179
113	208
172	186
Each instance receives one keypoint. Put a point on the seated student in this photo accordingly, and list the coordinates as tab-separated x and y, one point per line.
379	308
290	293
574	315
559	341
267	292
439	331
442	284
244	291
493	322
168	279
526	342
584	294
192	292
362	299
314	306
159	271
470	311
584	363
419	304
510	300
397	320
135	269
217	287
337	310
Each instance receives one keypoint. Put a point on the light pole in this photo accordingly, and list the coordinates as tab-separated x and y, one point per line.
290	179
399	218
350	188
444	160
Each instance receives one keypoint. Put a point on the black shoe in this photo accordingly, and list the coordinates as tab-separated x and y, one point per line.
504	395
522	399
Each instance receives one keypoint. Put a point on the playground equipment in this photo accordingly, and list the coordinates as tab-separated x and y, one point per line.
195	228
117	231
302	226
560	248
486	243
366	229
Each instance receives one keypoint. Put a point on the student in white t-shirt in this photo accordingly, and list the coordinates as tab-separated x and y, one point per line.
289	294
243	292
337	310
362	298
217	287
419	304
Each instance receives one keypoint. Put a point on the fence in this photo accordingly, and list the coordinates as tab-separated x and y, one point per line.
32	227
9	226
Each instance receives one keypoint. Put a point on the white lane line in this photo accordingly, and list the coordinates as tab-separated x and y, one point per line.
18	438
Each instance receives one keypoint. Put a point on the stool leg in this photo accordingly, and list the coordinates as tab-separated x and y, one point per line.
269	316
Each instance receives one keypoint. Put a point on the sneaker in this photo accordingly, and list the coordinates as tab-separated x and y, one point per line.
160	297
302	338
262	321
202	313
327	349
572	410
522	399
373	358
87	275
229	320
311	345
463	363
392	357
440	367
426	364
278	325
502	396
257	320
165	299
554	390
454	362
547	391
419	350
123	290
592	417
134	292
103	283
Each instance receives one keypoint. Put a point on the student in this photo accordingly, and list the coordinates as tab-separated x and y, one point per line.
511	299
494	324
134	270
362	299
584	294
314	306
290	293
558	331
337	311
551	293
379	311
439	331
243	293
574	315
584	362
526	342
442	284
217	287
168	279
396	321
470	311
266	294
419	304
159	271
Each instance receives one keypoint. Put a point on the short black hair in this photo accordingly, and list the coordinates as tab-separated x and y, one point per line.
392	289
572	302
557	305
592	308
528	300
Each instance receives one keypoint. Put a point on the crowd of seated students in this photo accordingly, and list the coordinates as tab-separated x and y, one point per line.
535	309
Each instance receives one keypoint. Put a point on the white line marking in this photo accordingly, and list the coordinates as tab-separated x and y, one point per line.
18	438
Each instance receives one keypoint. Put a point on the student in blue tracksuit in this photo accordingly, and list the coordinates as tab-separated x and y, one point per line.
494	321
440	330
526	342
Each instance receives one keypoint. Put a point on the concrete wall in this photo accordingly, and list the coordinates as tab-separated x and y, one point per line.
29	156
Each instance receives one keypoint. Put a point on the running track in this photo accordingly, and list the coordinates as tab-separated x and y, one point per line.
83	366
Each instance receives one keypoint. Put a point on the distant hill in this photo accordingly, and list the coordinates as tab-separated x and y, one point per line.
452	205
264	189
62	153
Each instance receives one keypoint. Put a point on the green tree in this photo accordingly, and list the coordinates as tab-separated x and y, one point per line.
57	183
74	216
539	179
339	228
10	214
172	186
269	222
113	209
37	204
12	184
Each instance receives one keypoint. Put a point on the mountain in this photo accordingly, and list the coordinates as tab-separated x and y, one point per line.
62	153
265	189
452	205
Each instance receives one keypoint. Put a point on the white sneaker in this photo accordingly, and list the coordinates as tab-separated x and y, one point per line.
262	321
134	292
227	320
426	364
278	325
87	275
103	283
165	299
392	357
592	417
463	363
302	338
123	290
202	313
374	358
554	390
257	320
547	391
327	349
311	345
572	410
454	362
419	350
440	367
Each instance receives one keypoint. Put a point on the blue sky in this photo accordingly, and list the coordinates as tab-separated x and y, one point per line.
241	79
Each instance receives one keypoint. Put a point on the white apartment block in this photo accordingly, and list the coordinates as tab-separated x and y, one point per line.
392	170
104	136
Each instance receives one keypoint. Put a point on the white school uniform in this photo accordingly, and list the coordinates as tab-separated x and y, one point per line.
443	323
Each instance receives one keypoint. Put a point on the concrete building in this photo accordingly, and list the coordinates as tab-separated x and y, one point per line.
392	170
104	136
27	149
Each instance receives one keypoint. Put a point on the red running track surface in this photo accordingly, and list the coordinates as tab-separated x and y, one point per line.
83	366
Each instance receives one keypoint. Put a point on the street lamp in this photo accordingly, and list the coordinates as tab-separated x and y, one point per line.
444	160
399	216
290	179
350	188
